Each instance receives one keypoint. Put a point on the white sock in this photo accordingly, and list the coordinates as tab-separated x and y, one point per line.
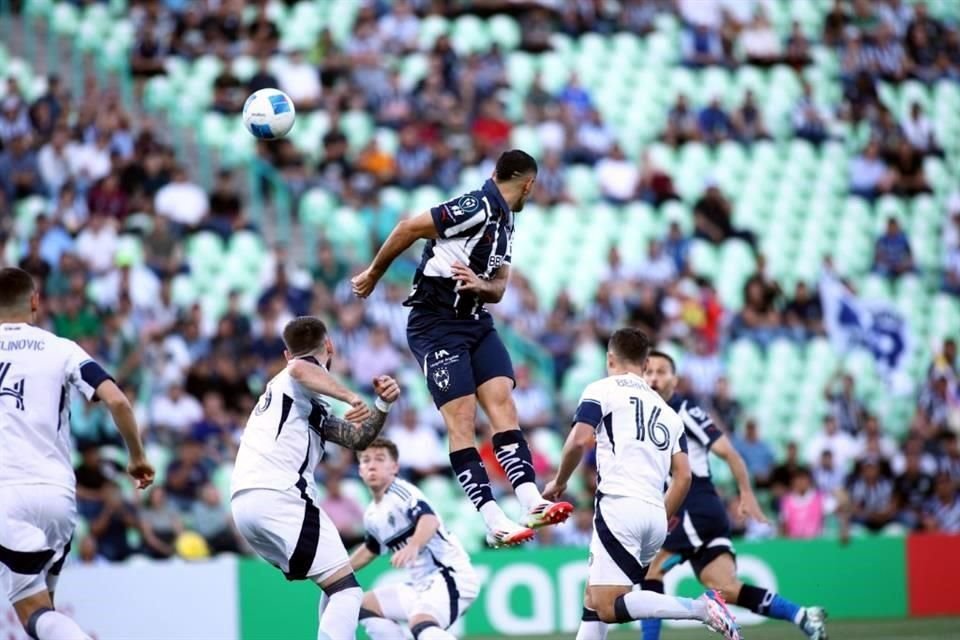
436	633
52	625
647	604
383	629
493	515
338	620
592	630
528	495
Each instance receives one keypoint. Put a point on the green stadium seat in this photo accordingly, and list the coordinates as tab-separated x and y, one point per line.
504	31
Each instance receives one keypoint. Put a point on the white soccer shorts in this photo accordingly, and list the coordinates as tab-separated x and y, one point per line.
627	533
289	530
443	596
36	525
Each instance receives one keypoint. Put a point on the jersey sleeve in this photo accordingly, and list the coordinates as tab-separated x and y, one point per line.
410	501
590	408
459	216
83	372
699	425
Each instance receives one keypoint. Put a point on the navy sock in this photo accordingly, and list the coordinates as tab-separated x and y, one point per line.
768	603
471	475
589	615
514	456
651	626
620	611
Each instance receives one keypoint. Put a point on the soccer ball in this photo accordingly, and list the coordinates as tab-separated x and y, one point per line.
268	114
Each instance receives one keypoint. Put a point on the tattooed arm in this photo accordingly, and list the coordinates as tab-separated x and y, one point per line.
359	437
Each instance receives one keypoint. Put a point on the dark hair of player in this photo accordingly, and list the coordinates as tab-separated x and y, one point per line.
383	443
303	335
514	164
630	344
666	356
16	287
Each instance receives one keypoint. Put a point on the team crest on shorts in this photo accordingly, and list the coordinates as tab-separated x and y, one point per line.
441	378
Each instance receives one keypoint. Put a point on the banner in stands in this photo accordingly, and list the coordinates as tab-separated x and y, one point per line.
874	325
540	591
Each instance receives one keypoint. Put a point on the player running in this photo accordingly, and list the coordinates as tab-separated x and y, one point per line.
700	531
38	503
273	491
640	442
465	264
400	520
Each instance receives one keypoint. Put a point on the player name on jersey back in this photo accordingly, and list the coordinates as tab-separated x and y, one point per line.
637	434
37	371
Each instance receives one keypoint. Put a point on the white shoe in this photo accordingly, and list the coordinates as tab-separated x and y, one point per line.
719	617
814	623
508	534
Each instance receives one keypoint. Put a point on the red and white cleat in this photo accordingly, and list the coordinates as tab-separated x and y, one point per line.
509	534
547	513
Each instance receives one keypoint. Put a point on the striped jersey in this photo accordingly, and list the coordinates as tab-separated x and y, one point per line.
283	440
390	522
37	371
701	433
475	229
637	435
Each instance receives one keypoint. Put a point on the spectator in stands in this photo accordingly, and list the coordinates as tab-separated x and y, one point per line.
712	218
759	42
160	524
840	443
759	320
93	474
109	523
756	454
797	52
186	473
908	175
701	46
87	552
942	512
887	54
263	77
212	520
702	367
19	169
869	175
14	120
803	313
845	407
34	264
149	52
373	358
173	414
575	98
400	28
871	496
912	488
924	34
228	93
617	177
828	477
183	201
301	81
951	271
949	461
892	256
53	162
344	512
413	160
655	185
421	452
802	510
551	185
810	120
726	409
593	140
715	125
747	121
656	268
782	474
682	124
873	440
534	406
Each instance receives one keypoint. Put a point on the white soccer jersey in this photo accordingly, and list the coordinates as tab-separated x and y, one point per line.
283	440
36	370
390	523
637	433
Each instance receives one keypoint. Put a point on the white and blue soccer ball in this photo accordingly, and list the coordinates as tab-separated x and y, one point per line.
269	114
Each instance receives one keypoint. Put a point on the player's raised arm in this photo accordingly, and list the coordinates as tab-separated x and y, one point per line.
119	406
748	501
359	437
318	380
580	437
403	235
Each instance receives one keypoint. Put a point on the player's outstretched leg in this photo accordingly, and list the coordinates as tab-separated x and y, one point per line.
628	606
721	573
513	453
38	617
591	627
472	475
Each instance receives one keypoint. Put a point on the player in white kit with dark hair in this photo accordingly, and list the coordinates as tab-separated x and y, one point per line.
400	520
640	443
273	491
38	507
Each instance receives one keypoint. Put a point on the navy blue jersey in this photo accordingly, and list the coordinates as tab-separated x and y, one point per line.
475	229
701	434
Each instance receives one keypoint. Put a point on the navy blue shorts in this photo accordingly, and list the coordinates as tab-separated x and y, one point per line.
699	532
457	355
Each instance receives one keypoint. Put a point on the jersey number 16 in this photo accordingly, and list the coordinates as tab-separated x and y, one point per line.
655	431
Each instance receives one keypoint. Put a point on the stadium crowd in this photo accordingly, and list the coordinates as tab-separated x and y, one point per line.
194	379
